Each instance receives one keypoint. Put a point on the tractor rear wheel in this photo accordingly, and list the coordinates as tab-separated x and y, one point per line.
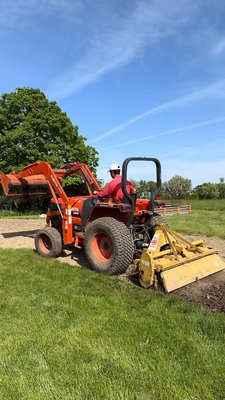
48	242
109	246
158	219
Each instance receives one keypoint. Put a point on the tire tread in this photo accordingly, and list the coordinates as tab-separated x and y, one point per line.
124	243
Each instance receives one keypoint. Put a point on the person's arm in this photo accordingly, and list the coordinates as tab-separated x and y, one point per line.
130	188
106	192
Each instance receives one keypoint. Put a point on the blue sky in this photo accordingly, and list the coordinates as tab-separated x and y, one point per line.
138	77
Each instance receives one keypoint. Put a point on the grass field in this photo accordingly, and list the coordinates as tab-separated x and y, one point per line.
207	218
69	333
209	205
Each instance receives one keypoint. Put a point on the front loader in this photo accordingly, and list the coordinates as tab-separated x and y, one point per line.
114	232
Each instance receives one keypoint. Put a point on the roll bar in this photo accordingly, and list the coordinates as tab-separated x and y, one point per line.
129	197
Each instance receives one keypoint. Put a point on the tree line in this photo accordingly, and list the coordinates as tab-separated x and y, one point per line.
181	188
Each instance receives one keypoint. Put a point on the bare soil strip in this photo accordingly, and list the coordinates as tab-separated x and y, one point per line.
208	292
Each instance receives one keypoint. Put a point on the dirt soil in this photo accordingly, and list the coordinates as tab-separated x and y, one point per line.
208	292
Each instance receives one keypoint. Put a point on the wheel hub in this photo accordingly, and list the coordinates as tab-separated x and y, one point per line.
102	247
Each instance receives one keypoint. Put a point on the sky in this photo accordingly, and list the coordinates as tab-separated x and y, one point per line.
140	78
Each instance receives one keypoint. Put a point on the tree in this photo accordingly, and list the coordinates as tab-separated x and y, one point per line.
33	128
144	188
178	187
207	191
221	188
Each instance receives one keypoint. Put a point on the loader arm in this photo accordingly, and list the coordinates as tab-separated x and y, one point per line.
42	173
51	176
83	170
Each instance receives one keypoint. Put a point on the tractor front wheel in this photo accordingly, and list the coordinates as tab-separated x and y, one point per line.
109	246
48	242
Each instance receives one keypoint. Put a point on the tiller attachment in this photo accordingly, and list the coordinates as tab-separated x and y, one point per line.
16	186
176	261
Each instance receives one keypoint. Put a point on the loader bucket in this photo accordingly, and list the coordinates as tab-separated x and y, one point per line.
175	261
35	185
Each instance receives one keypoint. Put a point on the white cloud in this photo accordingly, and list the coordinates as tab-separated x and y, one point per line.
199	172
189	162
169	132
123	41
14	13
212	92
207	150
219	47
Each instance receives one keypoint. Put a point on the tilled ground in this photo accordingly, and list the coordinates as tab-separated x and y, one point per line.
208	292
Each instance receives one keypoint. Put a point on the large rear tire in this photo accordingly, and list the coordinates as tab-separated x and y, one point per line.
158	219
109	246
48	242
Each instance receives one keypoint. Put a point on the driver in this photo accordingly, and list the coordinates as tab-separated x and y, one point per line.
114	187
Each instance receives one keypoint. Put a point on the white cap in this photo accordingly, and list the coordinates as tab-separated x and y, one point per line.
114	167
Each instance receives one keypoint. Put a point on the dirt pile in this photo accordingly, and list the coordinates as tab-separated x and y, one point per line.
209	292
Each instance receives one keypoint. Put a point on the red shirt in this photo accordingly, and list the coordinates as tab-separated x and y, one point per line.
114	188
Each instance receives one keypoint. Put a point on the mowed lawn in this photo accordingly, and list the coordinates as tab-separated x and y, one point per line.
70	333
207	218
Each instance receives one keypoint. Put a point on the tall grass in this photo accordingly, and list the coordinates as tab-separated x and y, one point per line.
68	333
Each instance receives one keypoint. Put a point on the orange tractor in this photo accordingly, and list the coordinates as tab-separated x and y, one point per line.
114	232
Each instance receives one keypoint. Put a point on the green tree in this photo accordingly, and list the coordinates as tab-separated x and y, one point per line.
207	191
33	128
221	188
144	188
177	187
